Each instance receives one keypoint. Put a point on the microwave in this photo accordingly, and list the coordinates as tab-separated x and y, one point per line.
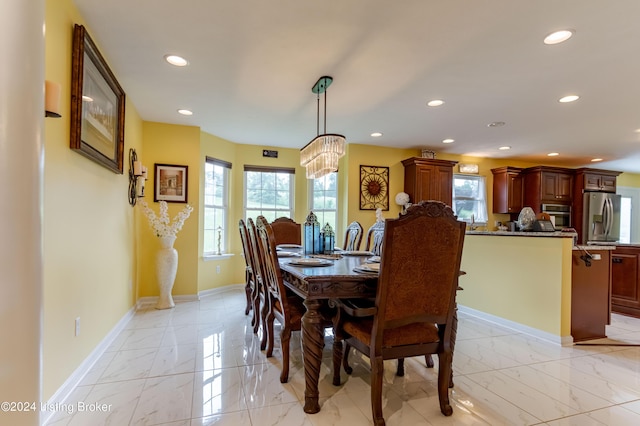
559	214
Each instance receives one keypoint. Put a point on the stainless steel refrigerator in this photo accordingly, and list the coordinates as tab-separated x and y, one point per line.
601	220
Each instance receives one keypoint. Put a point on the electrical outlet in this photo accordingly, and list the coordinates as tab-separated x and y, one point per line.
218	269
77	326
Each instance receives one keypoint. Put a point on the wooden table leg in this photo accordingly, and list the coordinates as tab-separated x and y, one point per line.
312	345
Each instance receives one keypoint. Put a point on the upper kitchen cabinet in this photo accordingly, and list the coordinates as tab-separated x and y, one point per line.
507	189
596	180
547	185
428	179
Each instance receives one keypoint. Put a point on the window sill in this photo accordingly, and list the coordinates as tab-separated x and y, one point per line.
208	257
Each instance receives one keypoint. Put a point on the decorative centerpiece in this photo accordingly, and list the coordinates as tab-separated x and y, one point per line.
526	219
167	257
402	199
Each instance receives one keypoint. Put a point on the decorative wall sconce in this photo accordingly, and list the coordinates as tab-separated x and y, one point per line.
137	177
52	99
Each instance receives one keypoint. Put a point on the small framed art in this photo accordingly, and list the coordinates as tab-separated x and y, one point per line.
170	183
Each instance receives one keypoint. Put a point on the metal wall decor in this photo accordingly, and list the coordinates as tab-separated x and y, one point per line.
374	188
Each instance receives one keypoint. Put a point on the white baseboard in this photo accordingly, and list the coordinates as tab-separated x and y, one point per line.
533	332
76	377
145	302
218	290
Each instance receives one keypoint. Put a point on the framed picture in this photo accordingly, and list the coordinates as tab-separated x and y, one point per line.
97	105
170	183
374	188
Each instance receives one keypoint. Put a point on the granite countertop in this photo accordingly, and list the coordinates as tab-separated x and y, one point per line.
594	247
555	234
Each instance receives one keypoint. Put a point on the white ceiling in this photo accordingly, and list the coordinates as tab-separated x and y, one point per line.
252	64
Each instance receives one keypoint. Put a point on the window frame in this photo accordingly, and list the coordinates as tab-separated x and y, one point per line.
483	199
310	200
290	212
224	207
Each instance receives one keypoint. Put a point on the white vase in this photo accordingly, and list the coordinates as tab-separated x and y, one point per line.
166	268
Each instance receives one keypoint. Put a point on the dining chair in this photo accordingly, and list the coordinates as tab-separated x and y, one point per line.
262	300
286	308
286	231
374	238
353	237
250	287
413	312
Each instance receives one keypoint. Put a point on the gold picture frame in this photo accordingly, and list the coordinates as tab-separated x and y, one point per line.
374	188
97	105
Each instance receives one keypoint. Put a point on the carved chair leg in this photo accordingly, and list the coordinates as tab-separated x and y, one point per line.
285	338
444	378
270	333
377	371
400	370
264	312
345	359
429	360
337	358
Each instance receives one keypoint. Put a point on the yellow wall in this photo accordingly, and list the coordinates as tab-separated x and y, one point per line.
176	145
522	279
89	228
629	179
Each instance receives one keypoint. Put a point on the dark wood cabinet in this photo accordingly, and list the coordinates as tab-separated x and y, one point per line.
590	295
547	185
586	180
428	179
507	190
625	284
599	182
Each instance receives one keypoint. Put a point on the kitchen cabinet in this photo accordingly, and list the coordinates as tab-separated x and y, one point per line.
586	180
552	185
507	189
596	180
428	179
625	285
590	294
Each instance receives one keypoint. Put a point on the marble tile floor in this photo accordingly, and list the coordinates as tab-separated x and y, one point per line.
201	364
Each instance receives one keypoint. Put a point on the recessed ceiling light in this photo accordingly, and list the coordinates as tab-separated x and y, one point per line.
185	112
448	140
376	134
637	130
176	60
558	36
496	124
504	148
570	98
595	160
553	154
435	103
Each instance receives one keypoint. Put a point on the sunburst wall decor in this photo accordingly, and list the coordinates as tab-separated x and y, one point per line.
374	188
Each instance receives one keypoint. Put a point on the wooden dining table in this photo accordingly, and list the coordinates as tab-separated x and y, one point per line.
317	285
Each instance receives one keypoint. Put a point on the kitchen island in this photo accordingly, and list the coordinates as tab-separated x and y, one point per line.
522	280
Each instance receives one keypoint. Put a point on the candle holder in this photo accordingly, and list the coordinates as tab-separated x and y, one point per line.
328	238
219	229
312	240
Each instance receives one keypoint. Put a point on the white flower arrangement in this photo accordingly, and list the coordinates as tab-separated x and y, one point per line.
162	226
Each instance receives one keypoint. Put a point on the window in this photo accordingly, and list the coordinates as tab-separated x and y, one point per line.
216	205
469	198
268	192
625	220
324	199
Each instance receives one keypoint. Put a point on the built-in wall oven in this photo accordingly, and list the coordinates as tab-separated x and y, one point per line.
560	215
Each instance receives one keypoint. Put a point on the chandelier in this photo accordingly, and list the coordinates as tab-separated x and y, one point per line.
320	156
